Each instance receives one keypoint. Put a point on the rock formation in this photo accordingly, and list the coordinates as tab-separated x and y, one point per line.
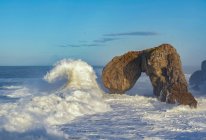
163	66
198	77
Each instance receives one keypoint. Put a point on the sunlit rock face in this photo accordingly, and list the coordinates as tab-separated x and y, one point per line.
198	78
162	64
121	73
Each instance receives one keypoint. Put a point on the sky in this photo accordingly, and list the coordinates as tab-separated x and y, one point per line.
41	32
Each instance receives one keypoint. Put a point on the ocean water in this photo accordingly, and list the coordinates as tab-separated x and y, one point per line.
68	101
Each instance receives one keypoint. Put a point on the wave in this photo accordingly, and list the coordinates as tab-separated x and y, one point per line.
15	91
78	73
79	96
12	87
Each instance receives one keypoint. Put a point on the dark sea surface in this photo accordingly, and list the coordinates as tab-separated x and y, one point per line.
23	71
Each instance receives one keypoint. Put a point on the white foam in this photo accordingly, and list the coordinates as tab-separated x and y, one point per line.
11	87
187	76
81	95
157	119
78	73
18	93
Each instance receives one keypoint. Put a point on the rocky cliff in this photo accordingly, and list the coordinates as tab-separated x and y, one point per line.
163	66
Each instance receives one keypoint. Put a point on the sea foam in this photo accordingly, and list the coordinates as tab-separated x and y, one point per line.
80	96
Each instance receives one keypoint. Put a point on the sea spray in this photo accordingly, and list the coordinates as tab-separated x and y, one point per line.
80	96
80	75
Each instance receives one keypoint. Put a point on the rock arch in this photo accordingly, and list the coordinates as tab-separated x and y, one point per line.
163	66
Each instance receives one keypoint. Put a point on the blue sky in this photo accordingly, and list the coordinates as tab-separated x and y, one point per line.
41	32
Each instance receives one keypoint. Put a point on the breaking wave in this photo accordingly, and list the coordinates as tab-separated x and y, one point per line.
80	96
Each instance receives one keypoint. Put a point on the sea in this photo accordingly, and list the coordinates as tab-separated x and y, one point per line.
67	101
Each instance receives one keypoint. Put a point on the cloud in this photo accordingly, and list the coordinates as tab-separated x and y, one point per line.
95	43
83	41
132	34
79	45
104	40
69	45
107	38
91	45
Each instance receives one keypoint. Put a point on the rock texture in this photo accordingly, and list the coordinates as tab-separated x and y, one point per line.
198	77
162	64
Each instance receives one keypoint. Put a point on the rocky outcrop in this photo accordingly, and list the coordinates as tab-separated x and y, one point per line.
163	66
198	78
122	72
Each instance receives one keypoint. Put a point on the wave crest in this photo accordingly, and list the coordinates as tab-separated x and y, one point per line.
78	73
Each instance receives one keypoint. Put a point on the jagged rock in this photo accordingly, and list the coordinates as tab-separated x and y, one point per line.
162	64
198	77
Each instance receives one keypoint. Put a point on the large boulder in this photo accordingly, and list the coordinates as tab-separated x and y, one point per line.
122	72
162	64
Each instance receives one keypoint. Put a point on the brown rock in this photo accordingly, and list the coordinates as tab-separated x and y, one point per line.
162	64
122	72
